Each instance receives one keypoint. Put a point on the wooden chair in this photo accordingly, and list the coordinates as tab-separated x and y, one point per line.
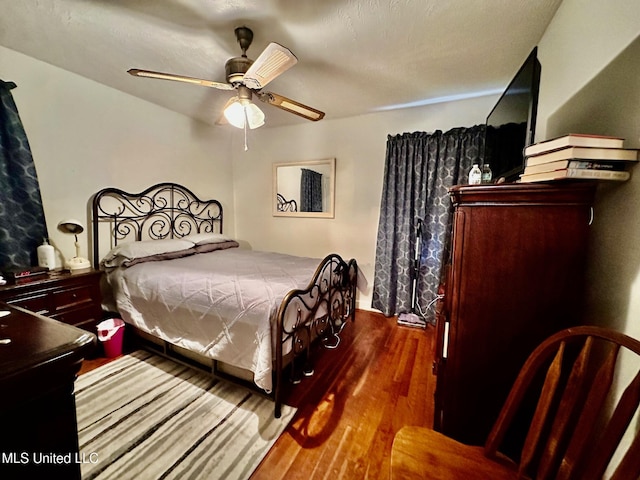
574	428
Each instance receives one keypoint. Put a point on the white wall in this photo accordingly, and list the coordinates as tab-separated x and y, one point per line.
590	57
359	146
585	87
583	37
85	136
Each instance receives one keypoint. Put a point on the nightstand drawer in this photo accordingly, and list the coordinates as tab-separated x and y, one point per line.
72	298
33	303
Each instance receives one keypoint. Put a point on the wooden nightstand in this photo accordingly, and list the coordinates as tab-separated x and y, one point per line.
73	298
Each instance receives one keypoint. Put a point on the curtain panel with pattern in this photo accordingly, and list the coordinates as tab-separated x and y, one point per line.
419	170
22	222
310	191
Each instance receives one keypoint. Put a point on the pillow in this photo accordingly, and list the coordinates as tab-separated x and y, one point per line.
161	256
210	247
205	238
129	253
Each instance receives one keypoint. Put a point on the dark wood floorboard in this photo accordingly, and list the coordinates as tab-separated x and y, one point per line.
377	380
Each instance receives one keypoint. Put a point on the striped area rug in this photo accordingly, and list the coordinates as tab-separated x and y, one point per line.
145	417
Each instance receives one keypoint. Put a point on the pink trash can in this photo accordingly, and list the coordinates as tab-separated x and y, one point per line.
111	335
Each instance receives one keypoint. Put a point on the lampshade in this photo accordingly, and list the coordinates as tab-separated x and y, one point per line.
240	110
74	227
70	226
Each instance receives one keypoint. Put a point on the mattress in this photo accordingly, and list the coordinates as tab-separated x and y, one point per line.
219	304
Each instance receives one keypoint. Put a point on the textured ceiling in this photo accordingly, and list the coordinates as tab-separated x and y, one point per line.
354	57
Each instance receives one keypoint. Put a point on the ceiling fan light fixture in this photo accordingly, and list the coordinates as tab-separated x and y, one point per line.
240	110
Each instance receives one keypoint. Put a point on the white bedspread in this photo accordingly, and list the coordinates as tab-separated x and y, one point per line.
219	304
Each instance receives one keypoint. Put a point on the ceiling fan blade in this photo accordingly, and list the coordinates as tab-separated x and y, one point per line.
179	78
291	106
273	61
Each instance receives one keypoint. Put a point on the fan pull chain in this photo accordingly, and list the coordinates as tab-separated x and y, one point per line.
246	122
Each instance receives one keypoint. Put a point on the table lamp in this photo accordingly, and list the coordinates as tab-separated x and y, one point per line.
74	227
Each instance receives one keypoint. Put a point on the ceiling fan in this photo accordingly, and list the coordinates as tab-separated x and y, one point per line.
248	77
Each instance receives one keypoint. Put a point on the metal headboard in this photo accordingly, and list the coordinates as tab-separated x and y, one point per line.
165	210
284	205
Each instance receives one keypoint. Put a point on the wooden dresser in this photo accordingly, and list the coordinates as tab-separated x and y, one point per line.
73	298
515	276
38	367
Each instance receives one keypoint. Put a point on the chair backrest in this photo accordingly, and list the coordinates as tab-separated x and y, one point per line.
576	425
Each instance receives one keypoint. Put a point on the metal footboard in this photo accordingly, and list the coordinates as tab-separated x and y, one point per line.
318	312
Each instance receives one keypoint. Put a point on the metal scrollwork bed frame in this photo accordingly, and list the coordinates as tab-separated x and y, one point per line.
168	210
284	205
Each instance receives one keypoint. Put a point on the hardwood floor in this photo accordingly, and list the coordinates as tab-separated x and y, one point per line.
377	380
92	363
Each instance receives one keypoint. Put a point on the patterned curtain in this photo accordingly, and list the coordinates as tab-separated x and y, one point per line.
310	191
419	170
22	222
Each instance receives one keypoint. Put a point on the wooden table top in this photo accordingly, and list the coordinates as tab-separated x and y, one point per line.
38	344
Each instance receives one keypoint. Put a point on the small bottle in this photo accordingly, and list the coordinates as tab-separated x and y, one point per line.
487	175
475	175
46	255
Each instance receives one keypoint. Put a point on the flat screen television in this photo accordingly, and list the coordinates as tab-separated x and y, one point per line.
511	123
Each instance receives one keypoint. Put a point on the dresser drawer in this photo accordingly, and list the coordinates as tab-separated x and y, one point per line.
34	303
72	297
86	317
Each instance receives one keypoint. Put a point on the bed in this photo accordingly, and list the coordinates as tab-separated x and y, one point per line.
193	294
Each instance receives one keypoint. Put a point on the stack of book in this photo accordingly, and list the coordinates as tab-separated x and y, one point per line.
578	156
